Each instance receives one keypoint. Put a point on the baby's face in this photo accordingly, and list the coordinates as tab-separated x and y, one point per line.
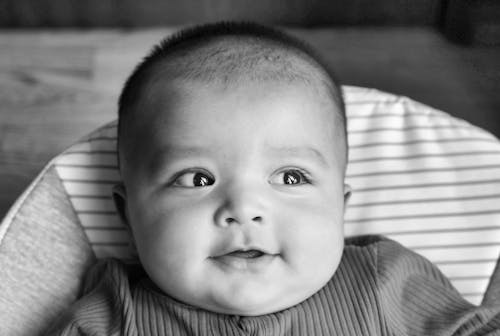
235	196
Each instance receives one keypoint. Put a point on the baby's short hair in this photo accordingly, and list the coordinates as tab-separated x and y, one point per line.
229	53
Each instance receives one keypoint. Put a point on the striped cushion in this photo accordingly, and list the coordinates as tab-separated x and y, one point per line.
419	176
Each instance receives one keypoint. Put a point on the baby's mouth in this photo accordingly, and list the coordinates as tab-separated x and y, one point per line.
243	259
248	254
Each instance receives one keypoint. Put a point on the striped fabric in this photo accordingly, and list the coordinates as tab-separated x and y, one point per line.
419	176
380	288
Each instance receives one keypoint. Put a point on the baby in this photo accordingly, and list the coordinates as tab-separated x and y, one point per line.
233	150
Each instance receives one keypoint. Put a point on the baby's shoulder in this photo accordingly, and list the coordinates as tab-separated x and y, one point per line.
391	262
105	296
383	253
373	244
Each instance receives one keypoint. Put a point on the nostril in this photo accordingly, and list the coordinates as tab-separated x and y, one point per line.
230	220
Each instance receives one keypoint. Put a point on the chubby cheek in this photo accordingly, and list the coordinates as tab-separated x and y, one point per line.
171	240
312	234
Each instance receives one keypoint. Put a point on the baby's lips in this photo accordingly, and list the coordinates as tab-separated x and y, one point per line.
247	260
246	254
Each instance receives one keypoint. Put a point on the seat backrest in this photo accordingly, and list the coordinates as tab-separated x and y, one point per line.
419	176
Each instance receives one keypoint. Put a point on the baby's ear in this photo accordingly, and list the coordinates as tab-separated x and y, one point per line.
347	194
120	199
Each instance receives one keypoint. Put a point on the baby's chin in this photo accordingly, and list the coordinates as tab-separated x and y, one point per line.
259	302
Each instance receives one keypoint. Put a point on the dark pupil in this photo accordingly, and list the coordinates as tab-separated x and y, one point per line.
291	178
200	180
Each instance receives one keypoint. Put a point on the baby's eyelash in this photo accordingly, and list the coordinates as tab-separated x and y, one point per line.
307	176
303	177
176	181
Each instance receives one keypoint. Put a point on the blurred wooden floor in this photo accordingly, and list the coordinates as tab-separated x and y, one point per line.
56	86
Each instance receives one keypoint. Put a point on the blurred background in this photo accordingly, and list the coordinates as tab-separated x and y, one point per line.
62	62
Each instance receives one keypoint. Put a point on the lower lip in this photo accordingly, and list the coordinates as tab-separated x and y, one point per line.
245	264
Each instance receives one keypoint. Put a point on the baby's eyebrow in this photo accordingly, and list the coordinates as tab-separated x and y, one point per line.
183	151
305	152
162	156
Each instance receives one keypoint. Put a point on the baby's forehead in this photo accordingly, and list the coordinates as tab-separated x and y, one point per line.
199	115
168	97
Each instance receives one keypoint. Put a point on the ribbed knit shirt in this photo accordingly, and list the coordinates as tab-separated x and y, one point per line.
379	288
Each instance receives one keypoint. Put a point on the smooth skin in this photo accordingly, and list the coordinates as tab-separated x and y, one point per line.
235	196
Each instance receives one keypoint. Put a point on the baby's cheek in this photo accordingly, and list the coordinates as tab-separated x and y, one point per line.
178	232
311	233
174	249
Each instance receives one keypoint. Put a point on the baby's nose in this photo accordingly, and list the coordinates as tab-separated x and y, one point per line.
243	207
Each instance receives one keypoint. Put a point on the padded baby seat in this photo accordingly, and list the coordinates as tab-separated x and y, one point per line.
419	176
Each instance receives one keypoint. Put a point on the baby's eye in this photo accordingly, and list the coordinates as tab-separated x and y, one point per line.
290	177
194	179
